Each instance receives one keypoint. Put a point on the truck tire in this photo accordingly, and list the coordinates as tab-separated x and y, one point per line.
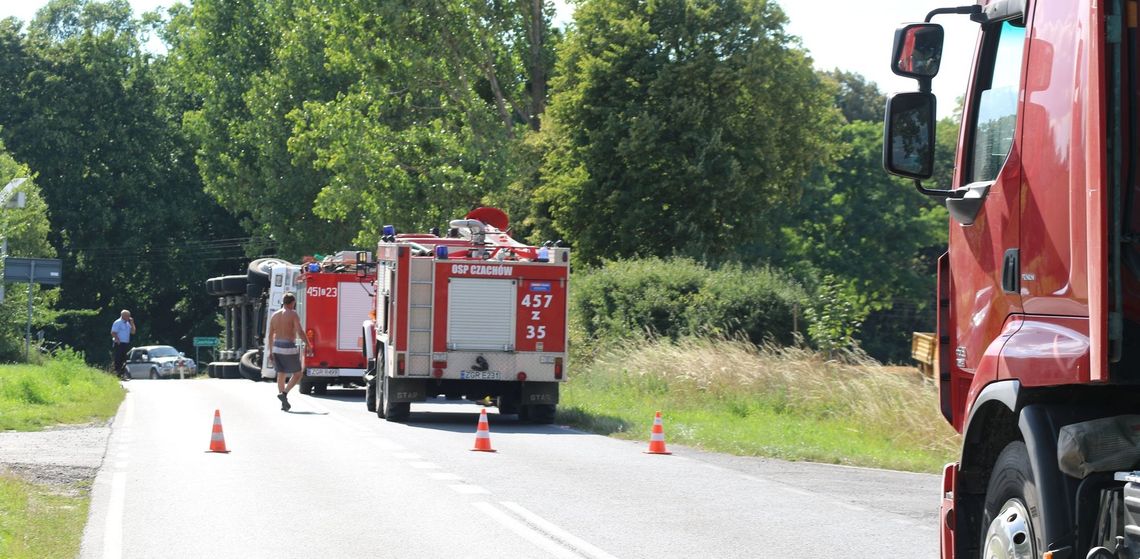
507	405
231	285
229	369
1007	525
320	388
370	395
306	387
254	291
249	365
258	270
542	413
153	373
393	411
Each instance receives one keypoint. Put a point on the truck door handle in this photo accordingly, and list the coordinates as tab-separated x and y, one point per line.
1011	272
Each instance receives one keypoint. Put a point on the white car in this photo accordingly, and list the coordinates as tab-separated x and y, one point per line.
159	361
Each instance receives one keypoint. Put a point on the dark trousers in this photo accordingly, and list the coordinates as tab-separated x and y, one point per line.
121	350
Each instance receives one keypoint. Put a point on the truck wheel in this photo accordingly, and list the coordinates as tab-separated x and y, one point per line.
507	405
1009	531
250	365
231	285
258	271
393	411
370	395
543	413
306	387
320	388
154	374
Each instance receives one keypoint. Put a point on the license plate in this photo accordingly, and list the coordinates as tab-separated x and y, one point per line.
323	372
480	375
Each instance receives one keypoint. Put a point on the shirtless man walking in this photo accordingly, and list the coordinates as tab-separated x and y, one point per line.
284	331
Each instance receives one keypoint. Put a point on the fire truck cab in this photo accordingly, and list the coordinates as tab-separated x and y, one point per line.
472	314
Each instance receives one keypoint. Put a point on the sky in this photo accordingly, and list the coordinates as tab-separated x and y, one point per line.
851	36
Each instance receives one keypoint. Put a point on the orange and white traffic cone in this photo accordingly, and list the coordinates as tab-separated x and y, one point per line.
657	437
483	434
217	440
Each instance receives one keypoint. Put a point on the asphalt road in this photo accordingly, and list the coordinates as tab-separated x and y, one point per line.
331	480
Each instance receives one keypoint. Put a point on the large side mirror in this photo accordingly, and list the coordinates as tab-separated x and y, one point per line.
908	146
918	50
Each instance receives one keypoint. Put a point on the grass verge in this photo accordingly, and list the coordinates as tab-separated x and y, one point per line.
788	403
41	521
47	520
62	390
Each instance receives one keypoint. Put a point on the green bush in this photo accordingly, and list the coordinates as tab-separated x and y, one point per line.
761	305
678	296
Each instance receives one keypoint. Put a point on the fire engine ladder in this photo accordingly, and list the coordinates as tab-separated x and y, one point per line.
420	316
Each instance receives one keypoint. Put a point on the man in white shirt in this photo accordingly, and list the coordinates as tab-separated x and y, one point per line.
121	331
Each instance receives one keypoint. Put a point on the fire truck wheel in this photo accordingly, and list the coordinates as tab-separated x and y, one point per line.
320	388
542	413
370	395
392	411
306	387
1009	531
507	405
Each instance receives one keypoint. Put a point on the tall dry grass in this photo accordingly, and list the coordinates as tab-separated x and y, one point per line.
793	381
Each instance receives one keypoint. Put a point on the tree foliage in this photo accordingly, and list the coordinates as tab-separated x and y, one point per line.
92	118
322	122
680	127
25	231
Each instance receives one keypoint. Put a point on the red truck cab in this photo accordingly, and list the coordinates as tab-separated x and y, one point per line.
1038	305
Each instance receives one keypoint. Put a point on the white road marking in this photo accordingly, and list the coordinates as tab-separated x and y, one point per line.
798	492
446	476
524	531
129	414
385	444
468	489
113	532
558	533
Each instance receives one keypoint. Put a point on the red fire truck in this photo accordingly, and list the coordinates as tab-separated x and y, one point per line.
473	314
334	297
1038	295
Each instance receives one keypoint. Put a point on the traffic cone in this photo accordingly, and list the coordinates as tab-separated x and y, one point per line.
657	437
217	441
483	434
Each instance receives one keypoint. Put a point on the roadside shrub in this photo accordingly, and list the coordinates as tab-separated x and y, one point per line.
761	305
637	299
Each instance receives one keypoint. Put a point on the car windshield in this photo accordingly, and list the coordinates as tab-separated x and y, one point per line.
163	351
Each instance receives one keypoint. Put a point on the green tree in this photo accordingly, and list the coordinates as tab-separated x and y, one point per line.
25	232
320	122
856	98
128	215
679	127
873	233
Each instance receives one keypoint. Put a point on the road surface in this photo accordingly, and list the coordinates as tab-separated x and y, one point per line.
331	480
